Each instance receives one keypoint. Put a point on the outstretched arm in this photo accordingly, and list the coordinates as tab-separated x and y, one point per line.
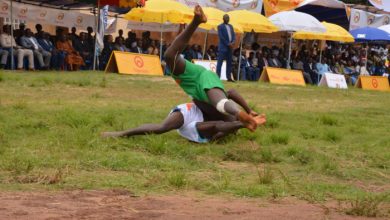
237	98
174	121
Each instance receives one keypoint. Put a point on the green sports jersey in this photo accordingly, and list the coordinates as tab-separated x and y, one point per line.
196	80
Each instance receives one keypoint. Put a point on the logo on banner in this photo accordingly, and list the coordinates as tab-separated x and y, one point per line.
370	19
80	19
356	18
375	83
4	7
139	62
43	14
236	3
23	11
60	16
379	2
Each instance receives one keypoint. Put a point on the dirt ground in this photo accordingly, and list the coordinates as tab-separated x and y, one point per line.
118	204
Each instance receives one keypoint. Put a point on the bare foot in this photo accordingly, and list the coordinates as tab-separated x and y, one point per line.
111	134
248	121
261	119
199	15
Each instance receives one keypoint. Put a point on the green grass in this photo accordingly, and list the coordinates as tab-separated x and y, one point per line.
318	144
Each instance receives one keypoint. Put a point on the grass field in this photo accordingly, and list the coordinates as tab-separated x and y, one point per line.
319	144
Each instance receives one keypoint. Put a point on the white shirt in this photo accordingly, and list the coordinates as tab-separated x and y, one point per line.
36	47
229	31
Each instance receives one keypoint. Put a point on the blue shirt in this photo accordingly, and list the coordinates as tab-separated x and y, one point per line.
322	68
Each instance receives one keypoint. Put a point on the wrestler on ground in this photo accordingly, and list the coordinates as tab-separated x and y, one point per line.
188	120
201	84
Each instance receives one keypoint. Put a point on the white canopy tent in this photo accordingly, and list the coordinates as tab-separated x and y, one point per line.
292	21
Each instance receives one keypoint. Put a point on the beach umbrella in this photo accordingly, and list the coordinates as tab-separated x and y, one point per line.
333	32
292	21
161	12
368	34
251	21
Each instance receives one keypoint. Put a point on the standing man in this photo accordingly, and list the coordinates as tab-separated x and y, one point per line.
227	38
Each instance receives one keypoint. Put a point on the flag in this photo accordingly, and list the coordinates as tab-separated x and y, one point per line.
103	24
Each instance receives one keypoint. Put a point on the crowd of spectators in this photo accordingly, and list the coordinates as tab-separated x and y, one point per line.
41	51
349	60
72	51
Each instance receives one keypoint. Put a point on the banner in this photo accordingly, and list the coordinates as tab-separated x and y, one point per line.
134	64
360	19
43	15
381	4
141	26
212	66
335	81
379	83
227	5
274	6
282	76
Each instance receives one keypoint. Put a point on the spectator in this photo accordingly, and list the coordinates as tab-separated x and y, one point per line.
119	46
8	43
120	32
131	38
226	37
309	67
251	72
322	68
146	41
19	33
273	61
85	50
39	33
90	38
73	36
136	47
28	41
72	58
380	69
262	62
3	58
107	51
47	45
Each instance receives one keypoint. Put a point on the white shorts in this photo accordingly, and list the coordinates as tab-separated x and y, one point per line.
192	115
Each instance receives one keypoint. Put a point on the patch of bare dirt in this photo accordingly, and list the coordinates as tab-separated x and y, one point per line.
118	204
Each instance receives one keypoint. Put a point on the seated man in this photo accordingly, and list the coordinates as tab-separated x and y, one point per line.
47	45
273	61
28	41
322	68
8	43
3	58
252	73
85	50
199	83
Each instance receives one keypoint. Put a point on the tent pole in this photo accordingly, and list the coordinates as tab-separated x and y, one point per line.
12	36
97	20
161	40
161	37
239	57
366	55
320	44
205	44
289	52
